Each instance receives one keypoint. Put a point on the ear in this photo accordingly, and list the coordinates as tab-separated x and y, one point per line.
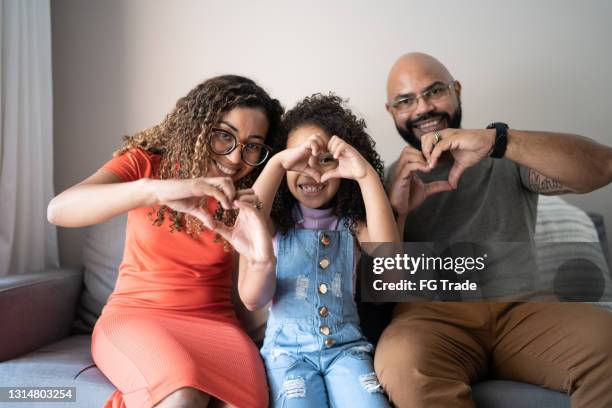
388	108
458	88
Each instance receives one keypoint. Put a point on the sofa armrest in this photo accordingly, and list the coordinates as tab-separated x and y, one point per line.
37	309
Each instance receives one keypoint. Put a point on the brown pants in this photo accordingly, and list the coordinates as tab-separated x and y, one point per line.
431	352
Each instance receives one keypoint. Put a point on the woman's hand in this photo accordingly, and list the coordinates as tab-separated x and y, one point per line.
351	164
250	235
302	158
187	196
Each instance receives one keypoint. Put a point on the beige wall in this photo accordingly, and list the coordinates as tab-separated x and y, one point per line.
119	65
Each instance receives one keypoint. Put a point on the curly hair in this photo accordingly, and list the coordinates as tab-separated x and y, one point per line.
182	138
330	113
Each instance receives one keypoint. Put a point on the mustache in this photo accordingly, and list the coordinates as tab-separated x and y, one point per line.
428	116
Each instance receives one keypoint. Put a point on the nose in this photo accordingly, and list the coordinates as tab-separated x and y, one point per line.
423	106
234	156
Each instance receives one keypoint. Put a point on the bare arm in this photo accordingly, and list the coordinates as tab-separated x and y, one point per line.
103	195
380	223
98	198
545	185
560	163
257	281
267	183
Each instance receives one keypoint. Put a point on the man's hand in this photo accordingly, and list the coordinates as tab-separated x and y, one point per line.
468	147
407	190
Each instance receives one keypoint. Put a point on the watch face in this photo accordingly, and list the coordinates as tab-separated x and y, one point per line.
496	124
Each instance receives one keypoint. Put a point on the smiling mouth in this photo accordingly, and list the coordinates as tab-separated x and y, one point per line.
228	171
312	189
430	125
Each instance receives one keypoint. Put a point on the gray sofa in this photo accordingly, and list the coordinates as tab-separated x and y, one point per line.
45	318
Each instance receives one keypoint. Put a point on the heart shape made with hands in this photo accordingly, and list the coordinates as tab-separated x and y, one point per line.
466	147
334	159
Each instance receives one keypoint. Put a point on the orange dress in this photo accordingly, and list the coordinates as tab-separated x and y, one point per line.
170	322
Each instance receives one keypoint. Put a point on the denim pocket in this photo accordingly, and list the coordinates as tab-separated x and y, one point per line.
277	359
360	352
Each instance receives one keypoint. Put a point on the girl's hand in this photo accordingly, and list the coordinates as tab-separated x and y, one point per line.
250	235
303	158
351	164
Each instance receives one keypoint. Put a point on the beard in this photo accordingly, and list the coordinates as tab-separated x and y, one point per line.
453	121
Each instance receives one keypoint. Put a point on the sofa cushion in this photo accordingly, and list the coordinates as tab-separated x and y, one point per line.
66	363
565	234
512	394
102	255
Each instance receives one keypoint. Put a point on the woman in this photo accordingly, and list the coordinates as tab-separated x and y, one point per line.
168	335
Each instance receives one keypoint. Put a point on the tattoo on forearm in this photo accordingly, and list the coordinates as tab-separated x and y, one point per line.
545	185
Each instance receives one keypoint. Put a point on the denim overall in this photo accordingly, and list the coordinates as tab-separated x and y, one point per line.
314	352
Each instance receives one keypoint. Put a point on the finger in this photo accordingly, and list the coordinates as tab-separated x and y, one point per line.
209	222
416	166
316	144
207	219
338	148
245	205
410	154
334	144
223	184
314	147
427	145
219	195
439	148
406	174
455	174
246	191
410	167
413	157
228	187
224	231
437	187
331	174
249	200
312	173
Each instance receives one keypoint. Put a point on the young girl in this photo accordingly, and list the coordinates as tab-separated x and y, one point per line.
330	199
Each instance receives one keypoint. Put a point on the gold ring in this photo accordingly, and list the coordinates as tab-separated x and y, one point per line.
437	137
258	205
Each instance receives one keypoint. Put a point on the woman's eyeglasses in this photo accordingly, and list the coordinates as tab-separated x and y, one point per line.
223	142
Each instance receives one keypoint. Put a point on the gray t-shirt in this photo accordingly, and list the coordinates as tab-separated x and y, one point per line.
490	204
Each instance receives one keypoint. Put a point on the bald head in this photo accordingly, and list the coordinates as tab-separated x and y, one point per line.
422	97
412	70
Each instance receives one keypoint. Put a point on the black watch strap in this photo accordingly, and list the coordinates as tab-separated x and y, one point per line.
501	139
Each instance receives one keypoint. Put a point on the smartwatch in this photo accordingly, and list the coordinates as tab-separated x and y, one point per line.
501	139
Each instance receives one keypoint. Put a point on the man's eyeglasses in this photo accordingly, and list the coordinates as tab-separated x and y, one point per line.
433	94
223	142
